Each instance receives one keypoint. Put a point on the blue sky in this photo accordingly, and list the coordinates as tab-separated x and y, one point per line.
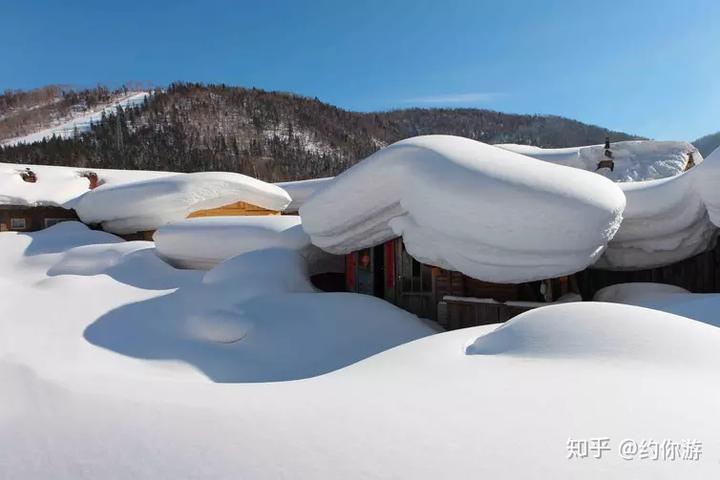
645	67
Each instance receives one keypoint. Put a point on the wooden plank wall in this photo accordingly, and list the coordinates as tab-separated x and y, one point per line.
463	313
698	274
237	209
34	216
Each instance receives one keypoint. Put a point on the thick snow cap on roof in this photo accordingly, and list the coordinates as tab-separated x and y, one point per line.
202	243
667	220
149	204
59	186
634	160
301	190
463	205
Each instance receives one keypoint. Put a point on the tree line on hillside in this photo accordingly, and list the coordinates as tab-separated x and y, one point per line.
276	136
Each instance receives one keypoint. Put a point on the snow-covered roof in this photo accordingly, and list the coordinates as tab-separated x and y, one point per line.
301	190
202	243
463	205
667	220
149	204
635	160
58	186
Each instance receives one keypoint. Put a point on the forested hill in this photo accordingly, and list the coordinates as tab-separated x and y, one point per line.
276	136
708	143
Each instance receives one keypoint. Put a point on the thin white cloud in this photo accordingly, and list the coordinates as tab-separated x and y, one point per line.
473	97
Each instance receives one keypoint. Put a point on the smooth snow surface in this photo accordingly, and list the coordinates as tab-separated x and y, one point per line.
149	204
59	186
202	243
301	190
703	307
68	127
635	160
471	207
108	356
253	318
626	292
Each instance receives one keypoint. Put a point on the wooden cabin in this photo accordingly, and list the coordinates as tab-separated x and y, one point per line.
698	274
237	209
27	218
455	300
451	298
21	218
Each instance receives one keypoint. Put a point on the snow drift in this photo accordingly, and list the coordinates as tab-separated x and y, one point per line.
202	243
594	330
254	318
148	404
703	307
467	206
149	204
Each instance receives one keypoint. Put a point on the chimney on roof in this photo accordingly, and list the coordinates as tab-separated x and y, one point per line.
92	179
690	161
28	175
607	162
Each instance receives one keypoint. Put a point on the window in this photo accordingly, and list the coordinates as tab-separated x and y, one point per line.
49	222
17	224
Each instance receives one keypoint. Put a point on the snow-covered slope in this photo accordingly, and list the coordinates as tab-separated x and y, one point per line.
78	122
471	207
635	160
108	356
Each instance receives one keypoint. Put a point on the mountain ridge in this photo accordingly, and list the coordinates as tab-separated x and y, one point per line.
274	136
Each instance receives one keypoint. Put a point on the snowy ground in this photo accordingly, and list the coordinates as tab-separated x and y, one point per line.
115	365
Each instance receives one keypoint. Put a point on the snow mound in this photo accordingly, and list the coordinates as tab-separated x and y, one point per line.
301	190
273	270
629	292
256	318
635	160
703	307
149	204
467	206
619	333
202	243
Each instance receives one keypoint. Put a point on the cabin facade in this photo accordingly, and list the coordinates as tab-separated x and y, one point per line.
451	298
30	218
456	300
21	218
237	209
